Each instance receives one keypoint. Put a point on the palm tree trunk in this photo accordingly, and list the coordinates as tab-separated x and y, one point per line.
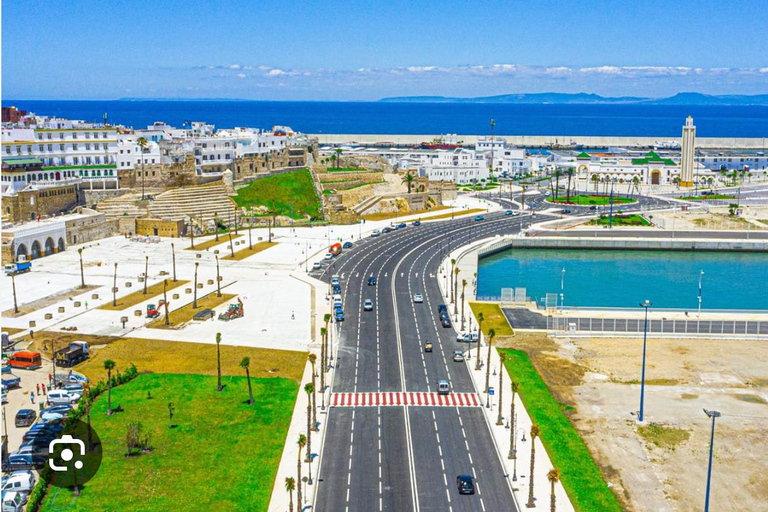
552	498
500	420
109	393
488	366
512	452
218	367
479	338
531	480
309	428
290	501
314	400
298	483
250	389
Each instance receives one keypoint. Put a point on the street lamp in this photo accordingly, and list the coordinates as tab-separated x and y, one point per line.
562	284
701	274
713	415
647	304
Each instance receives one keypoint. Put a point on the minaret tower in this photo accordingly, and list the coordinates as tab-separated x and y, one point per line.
688	153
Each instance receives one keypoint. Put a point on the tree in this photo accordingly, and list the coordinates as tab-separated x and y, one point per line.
87	396
408	180
142	143
534	434
302	443
165	301
480	318
456	287
502	358
290	486
553	476
216	224
82	274
250	224
309	389
512	451
194	296
231	246
114	289
312	361
245	364
463	288
109	365
595	180
218	277
558	173
491	335
569	172
453	265
337	152
218	361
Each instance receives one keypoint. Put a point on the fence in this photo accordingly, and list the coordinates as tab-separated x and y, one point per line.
673	327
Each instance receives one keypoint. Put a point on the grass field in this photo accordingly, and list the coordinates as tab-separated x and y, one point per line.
580	475
493	318
292	192
221	454
625	220
138	296
223	239
591	199
185	313
161	356
347	169
246	252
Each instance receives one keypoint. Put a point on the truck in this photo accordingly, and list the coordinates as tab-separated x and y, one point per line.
18	267
11	381
335	249
74	353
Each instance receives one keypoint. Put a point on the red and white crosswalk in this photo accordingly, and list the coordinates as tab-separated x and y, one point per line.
408	398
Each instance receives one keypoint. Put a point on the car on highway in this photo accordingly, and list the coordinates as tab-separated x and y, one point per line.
458	356
347	245
417	298
516	213
200	315
593	207
465	484
25	417
386	229
565	210
441	308
368	305
445	321
328	256
427	346
416	223
372	281
478	218
317	265
375	233
508	212
443	387
401	225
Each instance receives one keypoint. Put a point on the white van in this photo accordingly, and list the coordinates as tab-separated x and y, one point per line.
14	501
62	396
19	481
443	387
337	297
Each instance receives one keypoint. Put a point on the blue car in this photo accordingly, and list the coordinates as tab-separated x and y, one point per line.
401	225
339	315
508	212
479	218
347	245
416	223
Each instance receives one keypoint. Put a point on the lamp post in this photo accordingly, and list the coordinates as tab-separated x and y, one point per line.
701	275
713	415
562	286
647	304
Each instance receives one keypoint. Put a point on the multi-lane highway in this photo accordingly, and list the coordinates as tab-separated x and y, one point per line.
406	458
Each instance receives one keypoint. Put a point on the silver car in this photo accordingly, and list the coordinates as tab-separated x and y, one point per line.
368	305
417	298
458	356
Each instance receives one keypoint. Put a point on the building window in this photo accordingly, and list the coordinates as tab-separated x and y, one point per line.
74	147
74	135
87	135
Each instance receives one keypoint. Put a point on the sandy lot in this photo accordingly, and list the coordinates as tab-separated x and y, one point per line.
662	466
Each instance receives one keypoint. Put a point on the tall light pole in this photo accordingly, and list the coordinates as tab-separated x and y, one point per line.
701	275
713	415
562	285
647	304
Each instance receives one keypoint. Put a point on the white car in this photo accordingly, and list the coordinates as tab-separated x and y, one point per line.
51	416
328	256
368	305
19	481
61	396
467	336
14	501
375	233
317	265
417	298
458	356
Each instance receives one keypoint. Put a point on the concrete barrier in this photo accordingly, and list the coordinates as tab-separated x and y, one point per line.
32	323
48	316
95	296
198	255
141	279
136	312
78	303
175	296
187	290
215	251
210	281
199	285
128	284
62	309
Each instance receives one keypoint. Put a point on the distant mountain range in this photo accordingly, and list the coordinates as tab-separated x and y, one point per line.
683	98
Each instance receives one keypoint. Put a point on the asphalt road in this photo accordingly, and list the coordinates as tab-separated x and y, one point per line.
406	458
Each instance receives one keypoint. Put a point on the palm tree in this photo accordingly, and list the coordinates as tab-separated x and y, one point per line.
408	180
191	232
82	274
309	389
216	224
142	143
480	318
636	184
463	288
245	364
502	358
337	153
491	335
313	360
453	265
558	173
290	486
456	287
218	361
114	288
194	296
512	451
534	434
87	395
302	443
569	172
109	365
595	180
553	476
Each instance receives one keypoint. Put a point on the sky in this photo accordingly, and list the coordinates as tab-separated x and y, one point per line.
364	50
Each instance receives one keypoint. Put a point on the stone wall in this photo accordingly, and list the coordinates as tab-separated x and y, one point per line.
252	165
160	175
26	205
7	248
369	162
159	227
89	226
93	197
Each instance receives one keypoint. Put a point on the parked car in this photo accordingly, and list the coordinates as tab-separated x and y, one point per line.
62	408
417	298
14	501
50	427
339	315
427	346
336	289
317	265
335	280
25	417
478	218
49	416
443	387
17	461
375	233
31	435
61	396
441	308
593	207
22	480
368	305
467	337
458	356
372	281
205	314
347	245
465	484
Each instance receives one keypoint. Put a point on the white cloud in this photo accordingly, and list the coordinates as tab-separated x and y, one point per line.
764	70
276	72
240	75
234	66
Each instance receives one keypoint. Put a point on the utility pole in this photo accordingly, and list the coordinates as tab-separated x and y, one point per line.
114	288
194	297
82	274
173	254
701	275
647	304
714	415
218	278
165	300
146	273
15	304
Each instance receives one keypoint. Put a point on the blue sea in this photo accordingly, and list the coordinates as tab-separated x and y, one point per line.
421	118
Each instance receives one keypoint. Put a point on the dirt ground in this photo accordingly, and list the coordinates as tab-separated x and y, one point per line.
663	466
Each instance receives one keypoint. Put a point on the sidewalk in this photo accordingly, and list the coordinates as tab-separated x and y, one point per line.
518	468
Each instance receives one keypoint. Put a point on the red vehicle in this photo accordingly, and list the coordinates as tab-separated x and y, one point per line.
26	360
335	249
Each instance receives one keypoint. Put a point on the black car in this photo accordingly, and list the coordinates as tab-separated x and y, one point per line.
337	289
386	229
593	207
204	315
565	210
347	245
25	461
25	417
372	281
465	484
31	435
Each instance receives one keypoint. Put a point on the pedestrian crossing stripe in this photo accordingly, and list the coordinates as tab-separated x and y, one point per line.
401	399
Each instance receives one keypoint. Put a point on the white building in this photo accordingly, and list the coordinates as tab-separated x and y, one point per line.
650	169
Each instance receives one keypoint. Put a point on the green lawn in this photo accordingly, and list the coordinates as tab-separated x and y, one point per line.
580	474
281	192
707	198
222	454
592	199
493	318
624	220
